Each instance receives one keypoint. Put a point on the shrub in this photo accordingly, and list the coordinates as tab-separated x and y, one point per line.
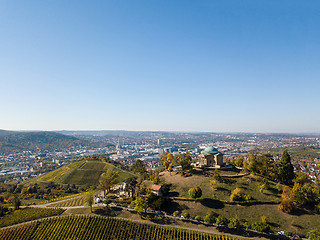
260	227
288	234
264	219
176	213
222	221
210	218
239	195
314	234
198	218
317	208
195	192
247	226
234	223
186	215
287	206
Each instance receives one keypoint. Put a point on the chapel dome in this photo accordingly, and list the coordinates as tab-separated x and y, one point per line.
210	150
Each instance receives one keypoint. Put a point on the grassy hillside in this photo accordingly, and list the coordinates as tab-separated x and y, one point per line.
89	227
82	173
218	200
20	141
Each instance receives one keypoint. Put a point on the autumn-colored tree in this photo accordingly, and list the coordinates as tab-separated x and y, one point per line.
239	195
140	205
168	161
306	194
288	203
213	184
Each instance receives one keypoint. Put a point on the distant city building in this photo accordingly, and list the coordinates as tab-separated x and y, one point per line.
159	141
210	157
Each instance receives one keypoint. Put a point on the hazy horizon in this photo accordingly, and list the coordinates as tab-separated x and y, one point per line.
128	130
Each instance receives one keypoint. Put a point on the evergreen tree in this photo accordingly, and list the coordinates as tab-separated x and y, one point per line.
285	169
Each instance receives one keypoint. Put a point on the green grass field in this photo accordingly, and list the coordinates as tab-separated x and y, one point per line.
264	204
90	227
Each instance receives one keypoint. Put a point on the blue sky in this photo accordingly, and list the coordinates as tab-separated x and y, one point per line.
223	66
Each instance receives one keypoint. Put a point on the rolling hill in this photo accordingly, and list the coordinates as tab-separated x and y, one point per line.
21	141
82	173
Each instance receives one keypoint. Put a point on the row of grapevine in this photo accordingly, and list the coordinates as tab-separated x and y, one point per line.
92	227
65	197
77	201
28	214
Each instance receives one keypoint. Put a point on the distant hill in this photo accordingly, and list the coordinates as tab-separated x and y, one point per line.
5	132
83	173
21	141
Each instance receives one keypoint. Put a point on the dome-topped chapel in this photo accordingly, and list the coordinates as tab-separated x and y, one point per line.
210	157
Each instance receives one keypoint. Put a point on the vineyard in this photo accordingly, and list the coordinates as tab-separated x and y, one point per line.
82	173
77	201
90	227
28	214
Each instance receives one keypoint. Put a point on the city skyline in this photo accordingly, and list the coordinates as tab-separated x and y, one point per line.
160	66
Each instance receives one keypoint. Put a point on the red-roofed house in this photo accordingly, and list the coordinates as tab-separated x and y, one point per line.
156	189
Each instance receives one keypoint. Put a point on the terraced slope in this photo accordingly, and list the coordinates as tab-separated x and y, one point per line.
82	173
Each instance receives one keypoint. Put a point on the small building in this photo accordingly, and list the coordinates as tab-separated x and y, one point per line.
210	157
156	189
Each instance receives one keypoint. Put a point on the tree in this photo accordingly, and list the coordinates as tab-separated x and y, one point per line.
17	203
288	203
89	201
285	169
168	161
252	163
237	162
140	205
139	167
156	202
107	180
306	194
156	178
195	192
130	187
185	159
165	189
302	178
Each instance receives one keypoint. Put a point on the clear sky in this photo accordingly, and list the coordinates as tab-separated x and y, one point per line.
207	65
